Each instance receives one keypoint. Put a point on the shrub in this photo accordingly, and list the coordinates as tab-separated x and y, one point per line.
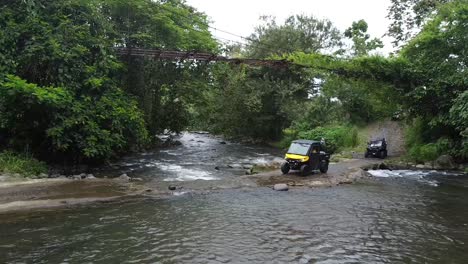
15	163
336	137
429	152
53	121
414	133
425	153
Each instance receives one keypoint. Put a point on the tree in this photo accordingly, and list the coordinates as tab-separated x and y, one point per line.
298	33
161	86
362	44
59	98
409	16
439	57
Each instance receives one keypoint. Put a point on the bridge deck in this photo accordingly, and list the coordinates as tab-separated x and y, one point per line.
198	56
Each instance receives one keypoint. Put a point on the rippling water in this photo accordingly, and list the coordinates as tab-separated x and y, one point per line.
199	157
400	216
390	220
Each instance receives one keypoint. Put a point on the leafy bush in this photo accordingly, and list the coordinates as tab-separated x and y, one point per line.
15	163
81	127
414	133
424	153
429	152
426	143
336	137
59	97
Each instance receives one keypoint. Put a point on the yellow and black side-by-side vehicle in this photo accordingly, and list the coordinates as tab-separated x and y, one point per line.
306	156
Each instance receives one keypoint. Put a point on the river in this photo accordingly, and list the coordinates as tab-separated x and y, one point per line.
399	216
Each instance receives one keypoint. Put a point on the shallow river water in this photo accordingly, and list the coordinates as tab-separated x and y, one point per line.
400	216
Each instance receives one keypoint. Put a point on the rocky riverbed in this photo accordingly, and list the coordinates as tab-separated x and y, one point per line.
199	163
64	192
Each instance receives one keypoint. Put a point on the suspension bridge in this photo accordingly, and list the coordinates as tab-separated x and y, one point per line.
196	56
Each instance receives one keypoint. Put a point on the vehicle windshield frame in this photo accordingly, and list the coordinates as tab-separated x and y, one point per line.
299	148
376	144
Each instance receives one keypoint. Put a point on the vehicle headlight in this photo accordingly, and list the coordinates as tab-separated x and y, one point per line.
305	159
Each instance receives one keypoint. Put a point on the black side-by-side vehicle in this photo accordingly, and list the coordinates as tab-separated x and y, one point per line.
376	148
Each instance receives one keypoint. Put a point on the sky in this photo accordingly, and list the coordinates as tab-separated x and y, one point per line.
241	16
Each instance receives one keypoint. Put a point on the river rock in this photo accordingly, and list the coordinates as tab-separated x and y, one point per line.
445	162
217	168
281	187
355	175
124	177
136	179
223	143
249	171
90	177
172	188
383	166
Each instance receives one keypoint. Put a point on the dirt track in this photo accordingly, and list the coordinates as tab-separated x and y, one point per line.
393	132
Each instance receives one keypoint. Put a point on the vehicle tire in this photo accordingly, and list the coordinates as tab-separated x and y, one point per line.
366	155
285	168
305	170
324	166
382	154
385	154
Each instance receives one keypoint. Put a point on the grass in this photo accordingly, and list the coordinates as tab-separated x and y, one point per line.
16	163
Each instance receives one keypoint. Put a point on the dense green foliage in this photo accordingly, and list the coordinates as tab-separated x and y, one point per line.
26	166
439	56
164	90
254	103
61	93
408	16
337	137
66	96
60	99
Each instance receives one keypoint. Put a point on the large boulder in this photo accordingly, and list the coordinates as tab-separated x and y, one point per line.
445	162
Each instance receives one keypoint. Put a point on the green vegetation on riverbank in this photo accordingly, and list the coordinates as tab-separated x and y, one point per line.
67	97
12	163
